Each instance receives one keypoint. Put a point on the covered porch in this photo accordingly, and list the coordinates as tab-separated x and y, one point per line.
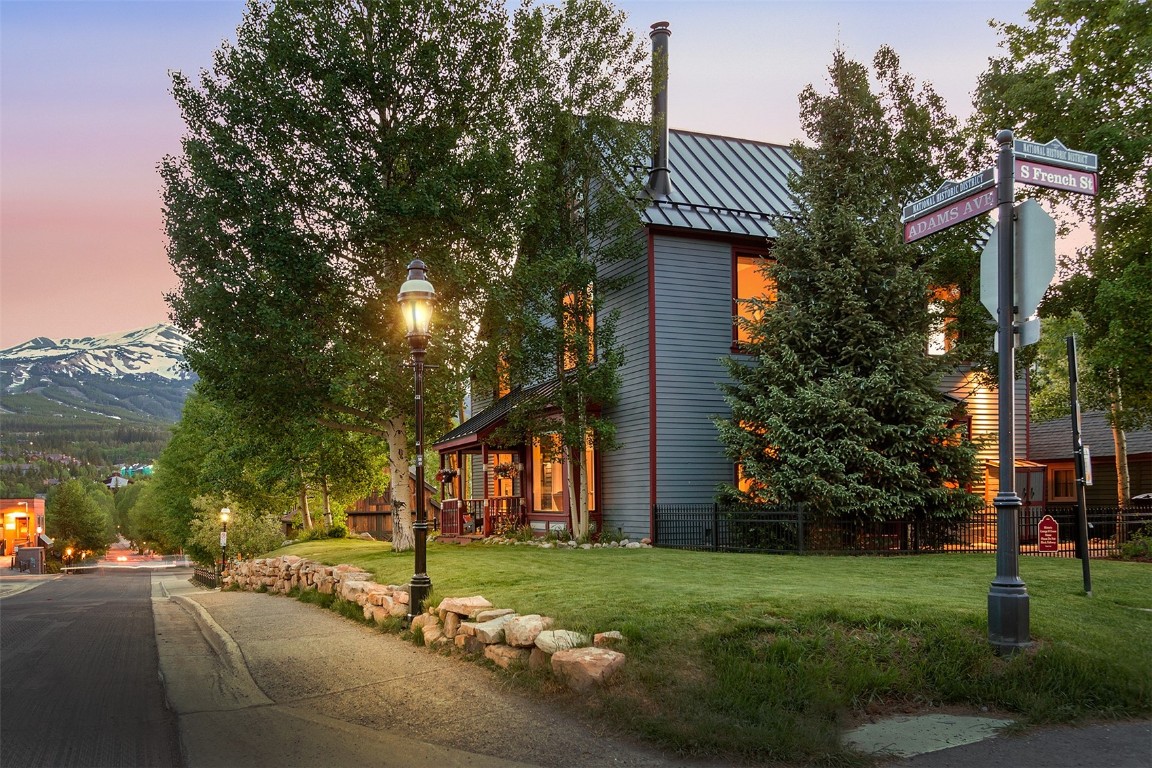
489	490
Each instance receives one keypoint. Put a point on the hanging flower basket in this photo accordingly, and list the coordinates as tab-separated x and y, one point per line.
446	475
506	469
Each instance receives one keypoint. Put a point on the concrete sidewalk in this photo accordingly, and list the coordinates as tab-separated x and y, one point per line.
261	680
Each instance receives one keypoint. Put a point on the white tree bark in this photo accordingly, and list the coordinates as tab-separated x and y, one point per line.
403	537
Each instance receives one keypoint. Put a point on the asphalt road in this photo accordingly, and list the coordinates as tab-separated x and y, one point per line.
79	680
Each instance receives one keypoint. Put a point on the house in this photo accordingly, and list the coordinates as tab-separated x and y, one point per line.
704	233
23	523
1050	446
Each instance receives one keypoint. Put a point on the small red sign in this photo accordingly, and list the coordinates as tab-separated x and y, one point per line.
1048	534
942	218
1055	177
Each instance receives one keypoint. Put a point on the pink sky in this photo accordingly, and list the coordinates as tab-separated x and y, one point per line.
85	117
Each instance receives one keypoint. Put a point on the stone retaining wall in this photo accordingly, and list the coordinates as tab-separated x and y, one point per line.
470	624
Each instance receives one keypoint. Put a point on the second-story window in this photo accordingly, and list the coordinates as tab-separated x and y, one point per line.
580	328
943	334
749	282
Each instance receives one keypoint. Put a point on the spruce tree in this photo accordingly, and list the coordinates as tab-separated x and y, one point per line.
838	407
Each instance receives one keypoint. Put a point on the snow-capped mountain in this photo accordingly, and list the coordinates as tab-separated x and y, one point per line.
158	350
123	375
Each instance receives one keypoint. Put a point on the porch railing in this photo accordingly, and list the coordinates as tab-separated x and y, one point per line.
483	517
791	529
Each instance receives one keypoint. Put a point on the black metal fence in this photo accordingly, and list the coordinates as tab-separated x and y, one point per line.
791	529
206	577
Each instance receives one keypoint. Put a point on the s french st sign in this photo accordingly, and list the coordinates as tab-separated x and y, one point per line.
952	203
1055	177
1055	166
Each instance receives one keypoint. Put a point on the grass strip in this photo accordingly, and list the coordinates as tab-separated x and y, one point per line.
770	656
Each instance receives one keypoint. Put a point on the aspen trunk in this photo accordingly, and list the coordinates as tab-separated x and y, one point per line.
305	513
403	537
1123	479
577	498
327	501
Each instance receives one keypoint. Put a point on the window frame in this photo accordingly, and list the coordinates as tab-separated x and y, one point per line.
743	254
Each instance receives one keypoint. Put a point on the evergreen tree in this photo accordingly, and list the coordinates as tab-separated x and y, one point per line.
838	408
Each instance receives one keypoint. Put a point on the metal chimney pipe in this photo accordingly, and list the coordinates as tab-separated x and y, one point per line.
659	183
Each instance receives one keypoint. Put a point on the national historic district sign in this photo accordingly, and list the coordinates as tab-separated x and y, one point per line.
952	203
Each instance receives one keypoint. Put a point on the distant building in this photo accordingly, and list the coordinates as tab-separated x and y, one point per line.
1050	444
23	522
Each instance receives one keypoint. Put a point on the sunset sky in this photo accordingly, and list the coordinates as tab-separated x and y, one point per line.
86	116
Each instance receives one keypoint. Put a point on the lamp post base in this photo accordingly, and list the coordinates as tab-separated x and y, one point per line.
418	590
1008	618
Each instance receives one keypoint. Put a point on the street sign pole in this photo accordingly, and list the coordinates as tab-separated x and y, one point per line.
1078	451
1008	620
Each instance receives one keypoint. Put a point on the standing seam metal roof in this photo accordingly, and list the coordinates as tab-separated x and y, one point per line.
723	184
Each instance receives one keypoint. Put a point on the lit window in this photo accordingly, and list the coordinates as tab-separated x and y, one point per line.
547	475
576	308
503	379
942	335
750	283
548	480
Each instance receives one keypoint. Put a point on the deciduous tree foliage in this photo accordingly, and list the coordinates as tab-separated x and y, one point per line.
331	144
838	407
74	518
583	127
1081	71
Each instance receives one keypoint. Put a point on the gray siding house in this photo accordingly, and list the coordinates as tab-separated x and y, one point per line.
708	222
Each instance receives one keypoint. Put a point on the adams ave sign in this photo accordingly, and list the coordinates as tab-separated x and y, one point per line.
952	203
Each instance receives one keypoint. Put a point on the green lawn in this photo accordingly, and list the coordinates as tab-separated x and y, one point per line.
767	656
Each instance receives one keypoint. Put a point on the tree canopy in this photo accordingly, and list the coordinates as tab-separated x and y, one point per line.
1081	71
328	146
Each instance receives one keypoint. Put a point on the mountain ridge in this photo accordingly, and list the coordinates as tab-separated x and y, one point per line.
137	375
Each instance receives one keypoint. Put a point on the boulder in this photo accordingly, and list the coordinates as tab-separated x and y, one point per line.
469	644
451	624
489	632
601	639
431	631
492	613
505	656
551	641
522	630
465	606
584	668
539	660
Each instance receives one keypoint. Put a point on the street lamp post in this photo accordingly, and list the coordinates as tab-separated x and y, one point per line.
225	513
415	299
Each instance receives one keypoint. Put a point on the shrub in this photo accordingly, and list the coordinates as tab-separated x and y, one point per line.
1139	547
